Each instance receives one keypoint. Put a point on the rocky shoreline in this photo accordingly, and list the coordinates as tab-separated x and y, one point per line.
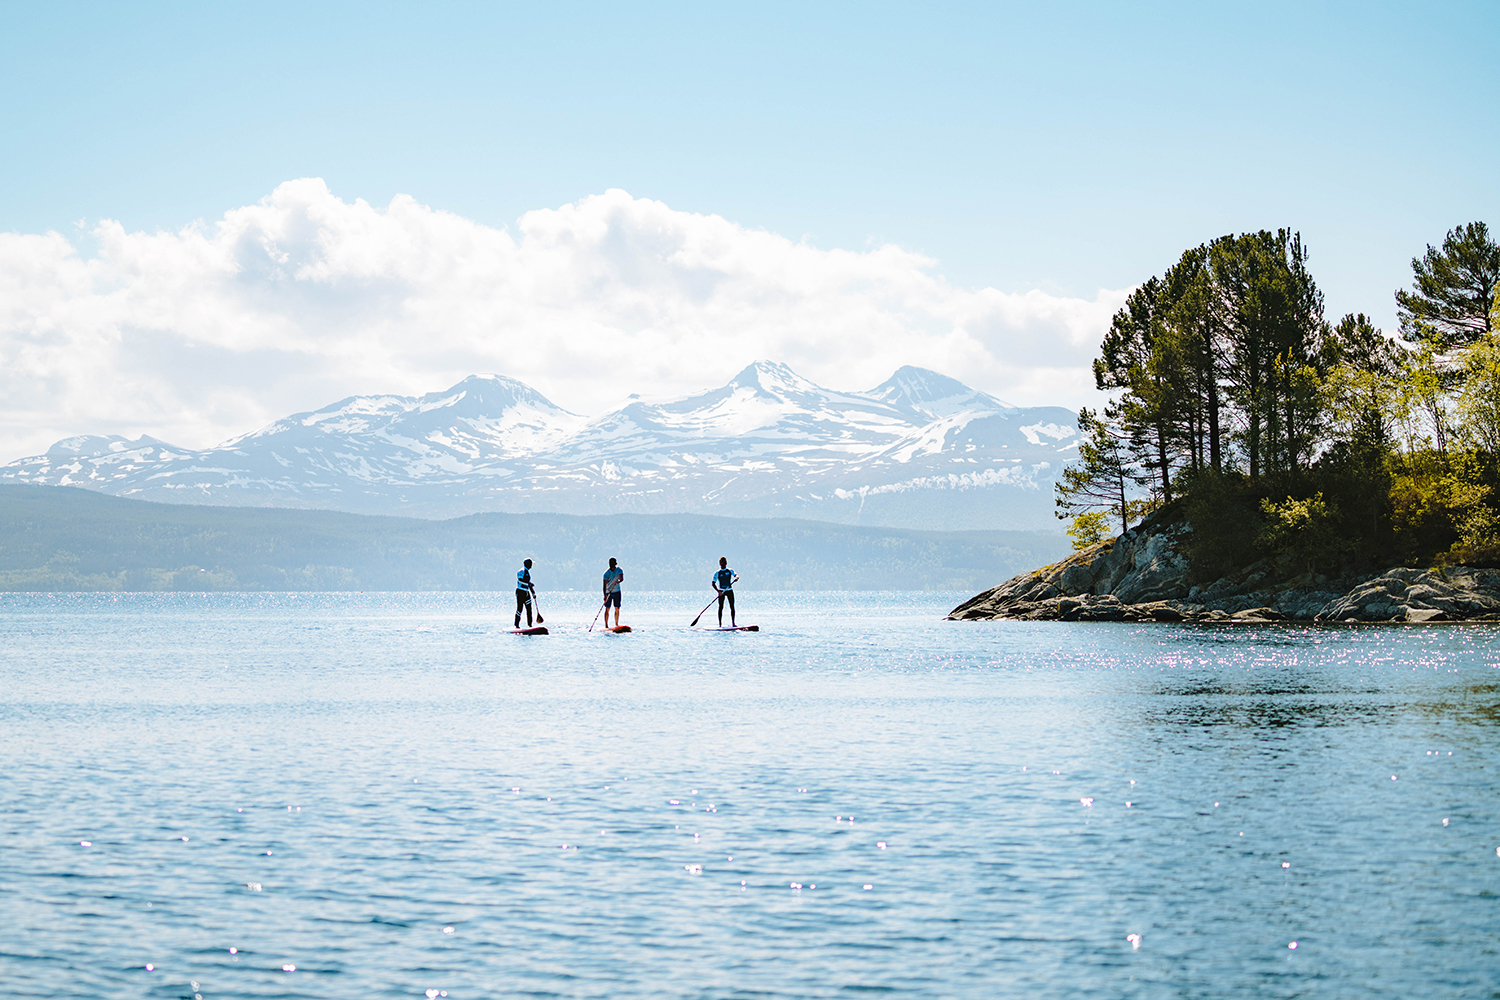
1143	576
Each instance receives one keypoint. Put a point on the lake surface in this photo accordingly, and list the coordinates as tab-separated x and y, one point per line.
387	795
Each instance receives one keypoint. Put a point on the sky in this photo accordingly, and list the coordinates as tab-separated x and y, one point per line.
215	215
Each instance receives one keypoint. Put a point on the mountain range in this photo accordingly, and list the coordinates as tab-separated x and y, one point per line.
920	450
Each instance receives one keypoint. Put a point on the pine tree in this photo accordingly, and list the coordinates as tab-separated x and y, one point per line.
1270	314
1187	288
1364	392
1454	289
1131	358
1102	476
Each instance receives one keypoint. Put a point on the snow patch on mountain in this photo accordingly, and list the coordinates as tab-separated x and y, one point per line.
919	450
1057	432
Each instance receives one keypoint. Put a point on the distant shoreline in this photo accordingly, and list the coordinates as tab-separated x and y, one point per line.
69	539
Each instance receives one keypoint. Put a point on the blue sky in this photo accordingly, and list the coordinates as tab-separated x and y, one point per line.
1064	148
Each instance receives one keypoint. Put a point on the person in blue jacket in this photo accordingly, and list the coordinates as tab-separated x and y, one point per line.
723	582
525	591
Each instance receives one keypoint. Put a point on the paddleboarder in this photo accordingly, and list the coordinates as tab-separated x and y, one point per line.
525	592
723	582
613	577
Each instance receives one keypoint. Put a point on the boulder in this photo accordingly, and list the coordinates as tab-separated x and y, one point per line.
1405	594
1258	615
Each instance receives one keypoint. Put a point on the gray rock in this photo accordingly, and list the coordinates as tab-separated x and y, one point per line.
1416	595
1101	612
1301	603
1076	579
1259	614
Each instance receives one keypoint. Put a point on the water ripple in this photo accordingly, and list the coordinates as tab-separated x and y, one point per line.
368	796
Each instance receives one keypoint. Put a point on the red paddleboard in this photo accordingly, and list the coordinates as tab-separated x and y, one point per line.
737	628
539	630
619	628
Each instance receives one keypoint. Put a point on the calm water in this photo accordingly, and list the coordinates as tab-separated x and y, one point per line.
396	797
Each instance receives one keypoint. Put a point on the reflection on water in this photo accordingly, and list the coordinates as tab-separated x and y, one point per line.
390	796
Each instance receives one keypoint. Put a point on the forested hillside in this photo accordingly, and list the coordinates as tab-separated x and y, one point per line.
1329	446
60	538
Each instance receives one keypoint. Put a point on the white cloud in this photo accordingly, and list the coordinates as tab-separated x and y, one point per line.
303	299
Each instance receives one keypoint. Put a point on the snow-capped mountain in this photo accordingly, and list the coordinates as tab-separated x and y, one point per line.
919	450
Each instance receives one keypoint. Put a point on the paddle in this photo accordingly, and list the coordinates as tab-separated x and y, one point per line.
705	609
598	613
538	605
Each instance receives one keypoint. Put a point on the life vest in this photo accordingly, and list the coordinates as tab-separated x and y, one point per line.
523	580
725	579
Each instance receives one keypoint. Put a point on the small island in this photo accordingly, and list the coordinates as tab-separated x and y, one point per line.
1265	464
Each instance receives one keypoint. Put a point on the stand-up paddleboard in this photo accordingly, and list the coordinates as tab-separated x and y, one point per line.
619	629
735	628
539	630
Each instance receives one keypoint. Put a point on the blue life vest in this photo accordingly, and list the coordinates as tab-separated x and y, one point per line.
725	579
523	580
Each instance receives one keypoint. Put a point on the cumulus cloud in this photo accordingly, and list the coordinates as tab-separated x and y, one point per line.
302	299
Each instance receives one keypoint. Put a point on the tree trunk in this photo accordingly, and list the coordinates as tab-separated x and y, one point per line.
1161	456
1291	434
1435	410
1215	448
1253	412
1124	504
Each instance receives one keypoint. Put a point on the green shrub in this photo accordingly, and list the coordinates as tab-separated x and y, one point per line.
1444	504
1089	528
1306	532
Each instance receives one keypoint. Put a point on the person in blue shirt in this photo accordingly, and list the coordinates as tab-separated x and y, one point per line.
525	591
723	582
613	577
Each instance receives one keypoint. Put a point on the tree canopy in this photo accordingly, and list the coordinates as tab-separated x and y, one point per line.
1278	433
1453	289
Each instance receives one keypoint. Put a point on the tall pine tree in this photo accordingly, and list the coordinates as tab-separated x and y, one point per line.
1102	477
1454	289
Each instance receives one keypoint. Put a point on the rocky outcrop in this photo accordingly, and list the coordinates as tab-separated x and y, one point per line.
1138	567
1415	595
1143	576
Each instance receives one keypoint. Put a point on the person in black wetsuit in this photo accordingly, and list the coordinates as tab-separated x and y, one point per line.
525	591
723	582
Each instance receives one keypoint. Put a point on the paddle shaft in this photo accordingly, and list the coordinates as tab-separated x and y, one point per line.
707	606
704	611
598	613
